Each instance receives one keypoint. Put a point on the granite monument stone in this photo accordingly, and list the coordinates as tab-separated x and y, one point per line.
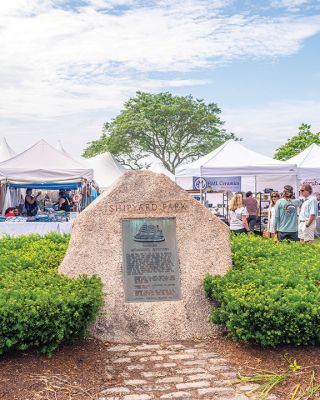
152	245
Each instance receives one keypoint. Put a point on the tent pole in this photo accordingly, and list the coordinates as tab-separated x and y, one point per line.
260	211
297	185
6	186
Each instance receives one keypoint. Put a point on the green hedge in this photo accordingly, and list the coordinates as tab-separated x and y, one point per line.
33	252
272	294
38	307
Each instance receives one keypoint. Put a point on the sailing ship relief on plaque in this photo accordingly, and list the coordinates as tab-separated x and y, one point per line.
150	262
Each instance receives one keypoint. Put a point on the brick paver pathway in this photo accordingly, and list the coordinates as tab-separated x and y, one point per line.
171	371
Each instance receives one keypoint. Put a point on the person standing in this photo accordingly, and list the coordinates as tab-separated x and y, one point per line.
274	197
63	202
317	233
286	215
238	215
318	201
252	207
308	214
31	203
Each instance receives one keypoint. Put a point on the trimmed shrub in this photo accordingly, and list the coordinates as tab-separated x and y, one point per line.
32	252
38	307
271	296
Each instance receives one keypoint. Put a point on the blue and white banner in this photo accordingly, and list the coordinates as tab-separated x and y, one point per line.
218	184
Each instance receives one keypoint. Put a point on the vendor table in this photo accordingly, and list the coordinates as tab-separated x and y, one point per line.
41	228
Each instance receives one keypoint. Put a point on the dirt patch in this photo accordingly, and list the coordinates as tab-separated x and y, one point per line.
81	371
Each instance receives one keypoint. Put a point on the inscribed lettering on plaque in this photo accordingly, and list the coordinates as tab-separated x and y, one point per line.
150	263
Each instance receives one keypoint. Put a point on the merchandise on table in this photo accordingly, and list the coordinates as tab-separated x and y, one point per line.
58	216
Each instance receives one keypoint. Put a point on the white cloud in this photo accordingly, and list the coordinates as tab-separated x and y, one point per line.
267	128
289	3
59	60
58	52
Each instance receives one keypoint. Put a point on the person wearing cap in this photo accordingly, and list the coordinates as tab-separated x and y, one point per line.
308	214
286	215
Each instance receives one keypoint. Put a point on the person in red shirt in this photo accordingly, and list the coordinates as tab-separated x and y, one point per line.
9	212
252	207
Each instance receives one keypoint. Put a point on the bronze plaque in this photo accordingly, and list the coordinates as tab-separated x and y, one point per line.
150	262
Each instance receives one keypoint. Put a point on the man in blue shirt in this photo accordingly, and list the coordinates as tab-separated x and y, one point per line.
308	214
286	215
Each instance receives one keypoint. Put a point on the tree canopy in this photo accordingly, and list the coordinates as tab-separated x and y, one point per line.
175	129
297	143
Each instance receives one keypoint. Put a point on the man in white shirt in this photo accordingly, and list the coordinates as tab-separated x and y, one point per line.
308	214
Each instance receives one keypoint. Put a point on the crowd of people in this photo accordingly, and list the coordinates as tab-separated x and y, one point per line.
289	218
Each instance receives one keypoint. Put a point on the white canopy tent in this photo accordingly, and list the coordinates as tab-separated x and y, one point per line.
308	162
6	151
60	147
257	171
158	167
43	163
106	169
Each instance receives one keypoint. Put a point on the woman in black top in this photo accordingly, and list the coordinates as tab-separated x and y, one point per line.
31	203
64	204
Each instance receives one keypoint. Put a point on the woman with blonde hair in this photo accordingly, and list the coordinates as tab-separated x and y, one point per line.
274	197
238	215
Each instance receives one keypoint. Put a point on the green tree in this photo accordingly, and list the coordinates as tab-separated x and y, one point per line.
175	129
297	143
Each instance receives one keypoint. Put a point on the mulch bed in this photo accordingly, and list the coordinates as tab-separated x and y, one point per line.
81	371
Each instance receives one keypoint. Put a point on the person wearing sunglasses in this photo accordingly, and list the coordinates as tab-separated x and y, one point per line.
275	196
308	213
286	215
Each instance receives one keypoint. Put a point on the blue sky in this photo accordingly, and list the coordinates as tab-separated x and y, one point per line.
68	66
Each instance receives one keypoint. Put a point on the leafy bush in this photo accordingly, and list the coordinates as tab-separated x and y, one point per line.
271	296
32	251
38	307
